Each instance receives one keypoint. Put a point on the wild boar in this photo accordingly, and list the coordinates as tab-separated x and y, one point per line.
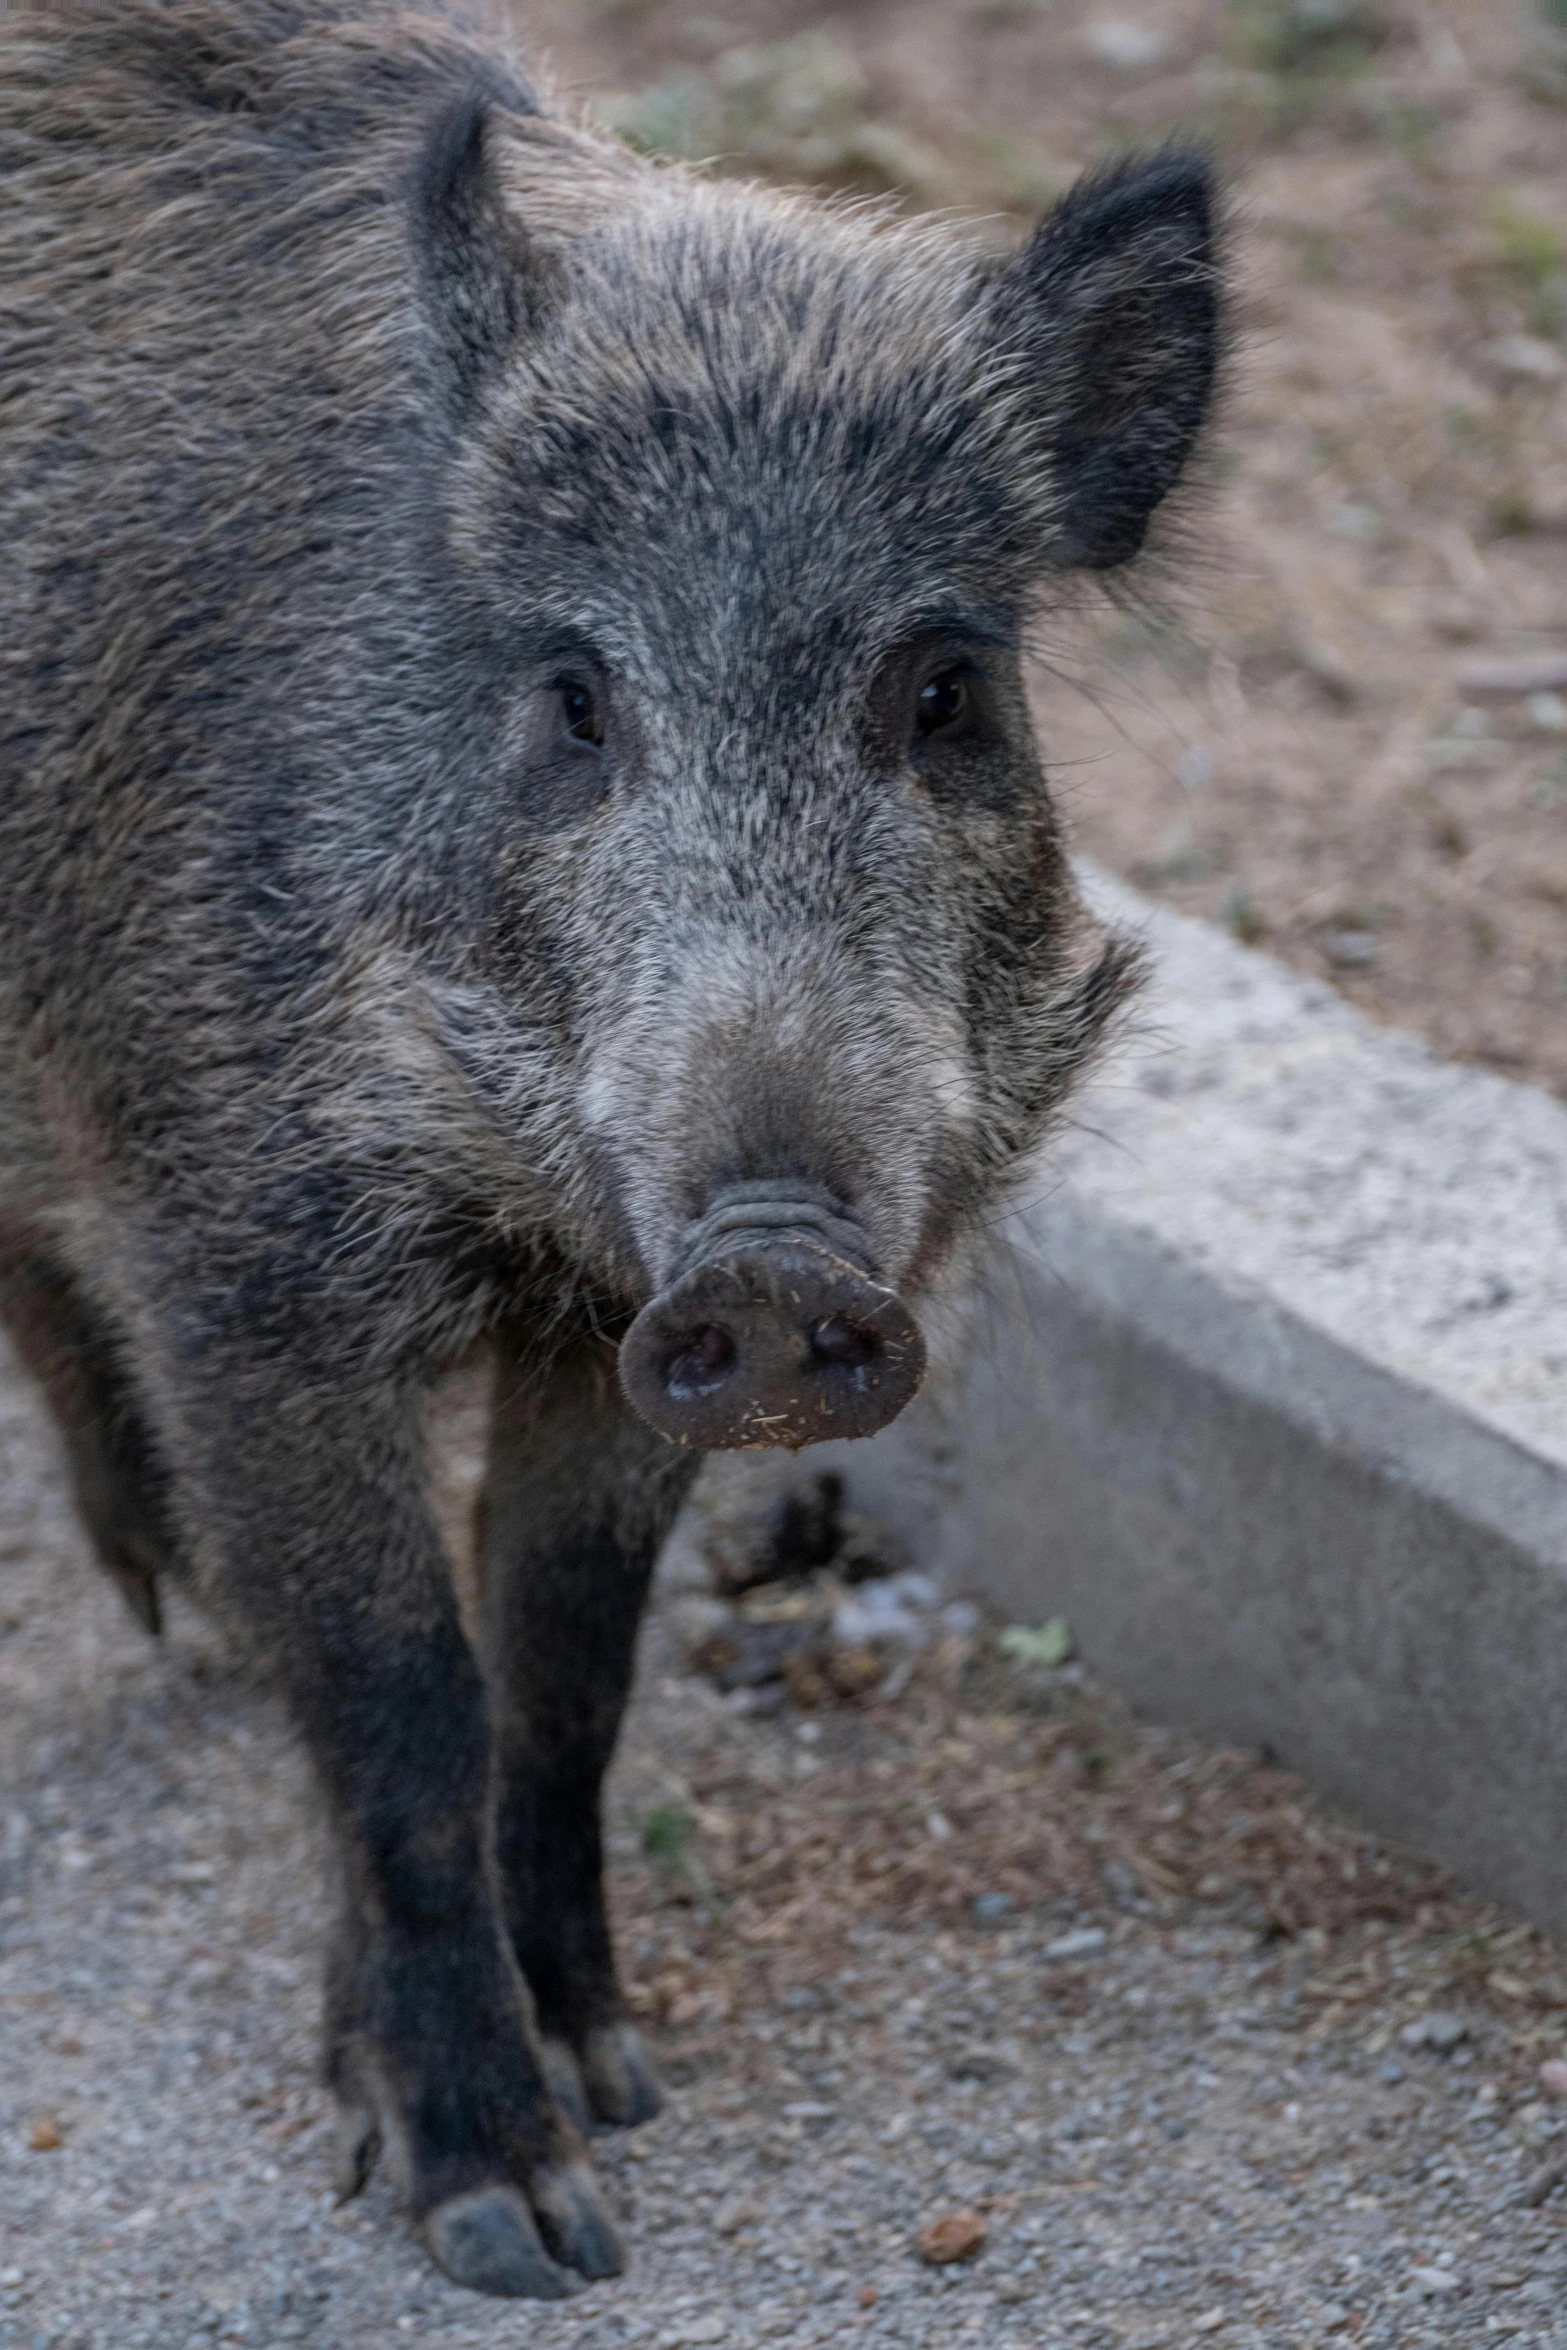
519	817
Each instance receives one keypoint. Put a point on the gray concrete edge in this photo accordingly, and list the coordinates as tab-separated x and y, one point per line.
1256	1532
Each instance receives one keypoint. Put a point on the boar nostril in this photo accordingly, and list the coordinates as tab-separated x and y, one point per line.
842	1342
702	1363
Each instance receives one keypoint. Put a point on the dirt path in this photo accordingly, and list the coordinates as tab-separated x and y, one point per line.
1168	2071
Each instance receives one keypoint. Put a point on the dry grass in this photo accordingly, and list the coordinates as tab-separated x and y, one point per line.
982	1779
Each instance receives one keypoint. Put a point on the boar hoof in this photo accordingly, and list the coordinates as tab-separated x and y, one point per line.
618	2074
576	2226
609	2081
487	2241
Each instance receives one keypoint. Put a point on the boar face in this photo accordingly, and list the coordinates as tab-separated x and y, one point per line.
751	502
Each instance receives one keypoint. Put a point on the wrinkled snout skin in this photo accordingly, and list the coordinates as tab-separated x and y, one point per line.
522	832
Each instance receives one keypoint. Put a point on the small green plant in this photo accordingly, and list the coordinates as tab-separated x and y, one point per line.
1020	178
1243	918
798	109
1038	1644
1511	514
669	1841
1311	37
1530	249
667	1834
1533	254
1407	128
1545	54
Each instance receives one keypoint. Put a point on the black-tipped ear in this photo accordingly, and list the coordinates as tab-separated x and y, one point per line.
1115	302
474	263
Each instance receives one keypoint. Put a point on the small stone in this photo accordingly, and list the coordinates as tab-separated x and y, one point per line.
867	2296
1129	46
46	2135
1350	950
1210	2321
1124	1885
1087	1942
1548	713
1392	2074
991	1908
1435	2280
1524	359
1355	520
1553	2077
953	2236
1440	2033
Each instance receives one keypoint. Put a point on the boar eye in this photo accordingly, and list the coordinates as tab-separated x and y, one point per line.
579	712
941	702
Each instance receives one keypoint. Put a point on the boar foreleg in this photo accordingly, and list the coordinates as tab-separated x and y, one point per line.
309	1508
579	1497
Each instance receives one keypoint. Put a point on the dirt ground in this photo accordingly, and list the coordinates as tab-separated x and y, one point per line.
1197	2061
1296	747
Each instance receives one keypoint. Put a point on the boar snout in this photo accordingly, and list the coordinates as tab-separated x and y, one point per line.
776	1332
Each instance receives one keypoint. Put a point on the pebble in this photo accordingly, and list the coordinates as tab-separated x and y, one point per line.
1087	1942
1127	45
1442	2033
952	2236
991	1908
1553	2077
1195	769
1351	950
1524	359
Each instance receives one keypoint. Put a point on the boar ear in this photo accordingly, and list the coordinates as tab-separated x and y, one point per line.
474	263
1115	303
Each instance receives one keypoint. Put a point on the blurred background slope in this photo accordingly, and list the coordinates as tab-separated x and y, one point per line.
1346	735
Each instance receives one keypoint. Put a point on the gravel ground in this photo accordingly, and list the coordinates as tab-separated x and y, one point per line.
1166	2057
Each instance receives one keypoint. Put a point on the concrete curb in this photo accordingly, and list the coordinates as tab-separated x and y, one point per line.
1269	1398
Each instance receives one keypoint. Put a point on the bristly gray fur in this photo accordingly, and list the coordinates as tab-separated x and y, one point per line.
356	413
